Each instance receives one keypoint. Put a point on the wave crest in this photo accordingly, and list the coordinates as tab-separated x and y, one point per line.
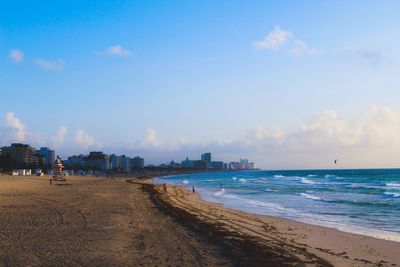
310	196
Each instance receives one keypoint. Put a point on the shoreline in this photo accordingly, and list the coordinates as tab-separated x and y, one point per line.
351	229
296	240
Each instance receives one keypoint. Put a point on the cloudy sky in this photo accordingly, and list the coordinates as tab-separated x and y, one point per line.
287	84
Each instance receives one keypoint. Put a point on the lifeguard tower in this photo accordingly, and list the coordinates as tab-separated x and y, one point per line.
57	173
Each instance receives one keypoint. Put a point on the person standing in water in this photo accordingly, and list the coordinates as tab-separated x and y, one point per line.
193	189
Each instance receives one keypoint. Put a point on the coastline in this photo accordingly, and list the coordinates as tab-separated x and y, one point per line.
293	241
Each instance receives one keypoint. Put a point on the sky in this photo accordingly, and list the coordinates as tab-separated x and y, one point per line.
287	84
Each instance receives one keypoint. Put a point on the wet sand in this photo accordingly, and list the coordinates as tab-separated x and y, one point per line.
271	241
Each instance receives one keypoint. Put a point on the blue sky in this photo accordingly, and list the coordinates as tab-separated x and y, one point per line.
239	78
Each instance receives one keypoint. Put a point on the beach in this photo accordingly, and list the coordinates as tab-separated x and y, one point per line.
93	222
285	242
98	221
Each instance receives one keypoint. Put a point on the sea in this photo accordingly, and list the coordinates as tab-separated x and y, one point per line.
360	201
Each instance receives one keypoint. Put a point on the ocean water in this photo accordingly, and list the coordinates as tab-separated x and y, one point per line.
358	201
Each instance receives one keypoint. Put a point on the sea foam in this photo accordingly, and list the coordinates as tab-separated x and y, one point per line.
307	181
391	184
219	193
310	196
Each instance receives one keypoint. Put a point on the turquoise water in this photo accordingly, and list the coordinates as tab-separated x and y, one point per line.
359	201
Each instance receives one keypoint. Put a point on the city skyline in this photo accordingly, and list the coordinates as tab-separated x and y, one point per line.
18	156
289	85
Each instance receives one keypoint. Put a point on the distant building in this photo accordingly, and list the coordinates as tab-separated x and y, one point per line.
226	166
217	165
174	165
206	157
244	164
76	161
115	162
234	165
201	164
137	163
47	156
21	154
187	163
98	160
126	163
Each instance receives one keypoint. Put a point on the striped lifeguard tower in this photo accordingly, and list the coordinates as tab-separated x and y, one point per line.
57	172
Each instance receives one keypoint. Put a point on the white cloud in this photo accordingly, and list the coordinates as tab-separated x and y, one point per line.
150	140
271	132
50	65
16	129
118	50
279	39
85	140
16	55
58	139
274	39
183	140
372	57
371	140
13	122
13	130
301	48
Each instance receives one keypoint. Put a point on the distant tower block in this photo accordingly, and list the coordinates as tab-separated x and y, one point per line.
57	171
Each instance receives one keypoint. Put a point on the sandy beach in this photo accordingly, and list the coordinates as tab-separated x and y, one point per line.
278	241
128	222
93	222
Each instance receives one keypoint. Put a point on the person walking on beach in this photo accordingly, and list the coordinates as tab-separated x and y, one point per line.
165	187
193	189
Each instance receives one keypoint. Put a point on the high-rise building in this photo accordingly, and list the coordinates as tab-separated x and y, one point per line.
48	156
137	163
217	165
206	157
126	163
23	155
234	165
98	160
201	164
115	162
76	161
244	164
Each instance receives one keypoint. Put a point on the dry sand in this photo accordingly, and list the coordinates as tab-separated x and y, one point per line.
104	222
93	222
277	241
